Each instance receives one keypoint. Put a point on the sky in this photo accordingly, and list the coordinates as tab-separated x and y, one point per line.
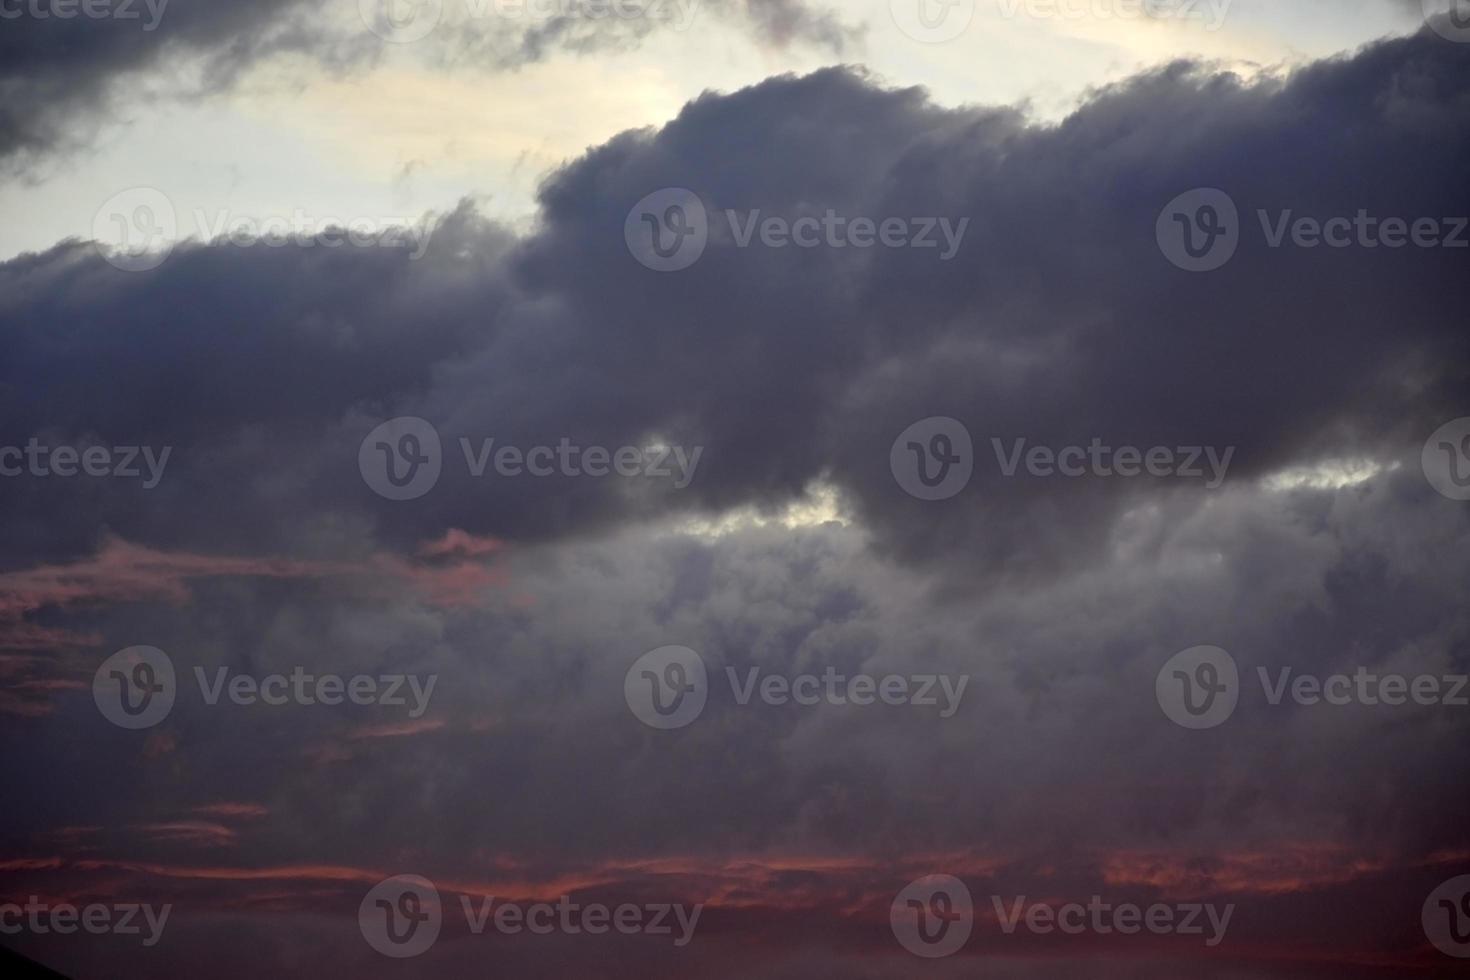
746	488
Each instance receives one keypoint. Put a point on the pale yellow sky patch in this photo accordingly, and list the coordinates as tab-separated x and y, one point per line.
455	125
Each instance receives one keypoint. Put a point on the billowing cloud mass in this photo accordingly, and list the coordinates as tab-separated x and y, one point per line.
1057	320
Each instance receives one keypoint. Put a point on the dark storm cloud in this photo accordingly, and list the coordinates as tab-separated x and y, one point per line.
1058	321
59	75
